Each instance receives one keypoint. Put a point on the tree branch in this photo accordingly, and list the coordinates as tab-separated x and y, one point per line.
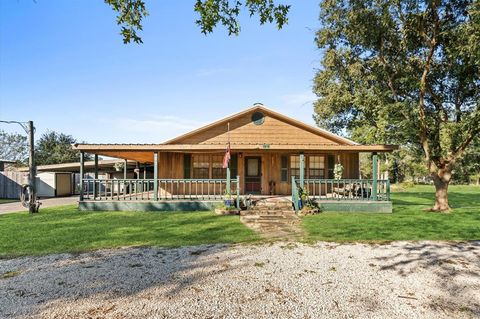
473	131
423	84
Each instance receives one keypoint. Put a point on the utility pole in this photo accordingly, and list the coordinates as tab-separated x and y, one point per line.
32	203
32	170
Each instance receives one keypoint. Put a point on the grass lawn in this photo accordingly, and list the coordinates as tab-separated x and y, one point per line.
65	229
6	200
408	221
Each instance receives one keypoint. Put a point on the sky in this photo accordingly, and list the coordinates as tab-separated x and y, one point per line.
63	65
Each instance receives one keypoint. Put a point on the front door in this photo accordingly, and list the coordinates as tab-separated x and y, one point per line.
253	175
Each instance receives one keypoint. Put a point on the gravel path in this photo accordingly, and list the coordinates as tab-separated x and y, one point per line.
287	280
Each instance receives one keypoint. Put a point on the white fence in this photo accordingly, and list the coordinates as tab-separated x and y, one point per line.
11	184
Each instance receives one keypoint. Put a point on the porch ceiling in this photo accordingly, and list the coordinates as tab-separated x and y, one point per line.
144	152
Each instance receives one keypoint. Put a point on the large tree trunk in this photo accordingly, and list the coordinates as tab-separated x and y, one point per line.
441	179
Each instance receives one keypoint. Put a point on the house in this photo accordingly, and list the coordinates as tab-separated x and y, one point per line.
4	164
271	155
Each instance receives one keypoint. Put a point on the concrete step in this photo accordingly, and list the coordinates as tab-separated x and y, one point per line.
268	213
270	209
272	204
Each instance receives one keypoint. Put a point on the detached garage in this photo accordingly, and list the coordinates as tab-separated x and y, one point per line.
57	180
54	184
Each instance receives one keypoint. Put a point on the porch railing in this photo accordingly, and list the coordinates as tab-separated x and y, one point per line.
342	189
160	189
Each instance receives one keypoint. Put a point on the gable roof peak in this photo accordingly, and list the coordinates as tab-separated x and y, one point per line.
261	107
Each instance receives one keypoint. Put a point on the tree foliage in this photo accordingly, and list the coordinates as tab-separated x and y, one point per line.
55	148
226	13
13	147
405	72
130	14
129	17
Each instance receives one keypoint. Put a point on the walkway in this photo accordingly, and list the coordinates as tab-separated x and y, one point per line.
47	202
273	218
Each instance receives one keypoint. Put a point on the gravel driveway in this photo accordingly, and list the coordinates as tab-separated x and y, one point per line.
286	280
46	202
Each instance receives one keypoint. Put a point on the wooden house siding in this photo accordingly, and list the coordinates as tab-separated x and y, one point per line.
244	131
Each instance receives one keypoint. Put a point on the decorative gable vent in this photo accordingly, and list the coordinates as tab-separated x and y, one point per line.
258	118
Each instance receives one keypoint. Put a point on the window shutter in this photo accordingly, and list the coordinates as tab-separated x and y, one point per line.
234	166
187	164
331	165
284	168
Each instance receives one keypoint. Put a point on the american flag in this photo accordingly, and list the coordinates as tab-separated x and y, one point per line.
226	158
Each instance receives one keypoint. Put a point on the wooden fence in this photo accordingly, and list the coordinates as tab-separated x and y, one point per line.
11	184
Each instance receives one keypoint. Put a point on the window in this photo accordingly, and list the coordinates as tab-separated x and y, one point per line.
201	166
217	167
284	168
295	166
316	167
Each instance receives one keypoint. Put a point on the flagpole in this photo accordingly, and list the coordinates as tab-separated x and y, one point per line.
228	137
228	190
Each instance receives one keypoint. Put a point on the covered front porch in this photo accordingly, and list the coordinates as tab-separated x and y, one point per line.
166	180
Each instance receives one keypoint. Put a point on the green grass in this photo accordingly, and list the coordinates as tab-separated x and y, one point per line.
6	200
65	229
409	220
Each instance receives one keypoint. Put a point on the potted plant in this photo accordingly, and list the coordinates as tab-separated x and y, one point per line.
338	171
223	209
228	200
118	166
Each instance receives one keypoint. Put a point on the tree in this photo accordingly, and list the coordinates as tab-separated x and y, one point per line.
468	168
212	12
56	148
13	147
405	72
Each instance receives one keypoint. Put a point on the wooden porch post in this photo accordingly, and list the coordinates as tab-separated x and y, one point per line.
238	191
302	169
155	176
374	175
96	166
81	175
95	177
229	188
125	169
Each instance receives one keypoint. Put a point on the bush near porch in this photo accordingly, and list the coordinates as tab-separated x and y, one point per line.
409	220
